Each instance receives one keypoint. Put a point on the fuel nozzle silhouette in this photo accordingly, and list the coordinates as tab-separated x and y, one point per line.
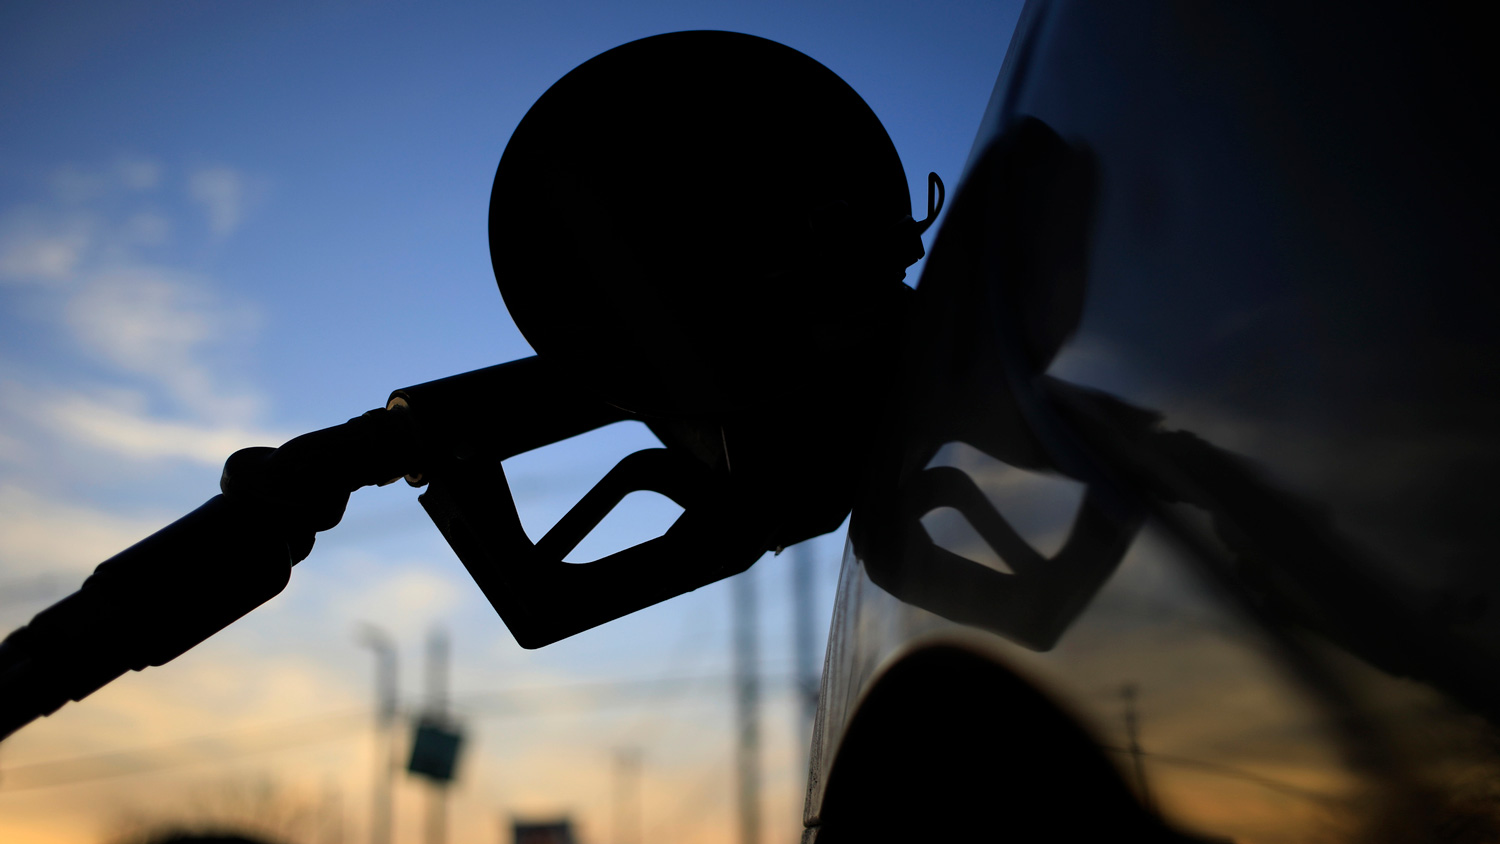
702	231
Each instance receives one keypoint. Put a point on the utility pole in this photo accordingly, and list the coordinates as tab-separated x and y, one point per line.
804	642
382	811
332	821
437	707
628	795
747	706
436	739
1132	733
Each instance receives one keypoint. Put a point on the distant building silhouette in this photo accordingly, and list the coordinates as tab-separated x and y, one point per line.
558	831
204	838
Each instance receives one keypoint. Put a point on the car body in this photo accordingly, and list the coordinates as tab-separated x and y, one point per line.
1185	526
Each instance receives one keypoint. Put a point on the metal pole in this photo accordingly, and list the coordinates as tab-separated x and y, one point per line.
628	795
437	704
382	812
333	815
747	698
804	641
1132	731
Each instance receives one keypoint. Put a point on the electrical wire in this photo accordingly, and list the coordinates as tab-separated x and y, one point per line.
207	748
517	702
1226	771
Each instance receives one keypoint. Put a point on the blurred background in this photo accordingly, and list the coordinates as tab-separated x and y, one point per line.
225	224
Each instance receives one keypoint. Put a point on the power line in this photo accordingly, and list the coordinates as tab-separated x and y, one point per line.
38	588
207	748
320	728
590	695
686	653
1227	771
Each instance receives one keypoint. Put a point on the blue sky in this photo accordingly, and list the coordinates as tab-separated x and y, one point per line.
224	224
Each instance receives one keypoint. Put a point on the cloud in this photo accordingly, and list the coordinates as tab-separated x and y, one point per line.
138	173
221	192
158	323
74	185
119	423
12	448
41	535
88	223
146	228
167	336
408	601
36	247
142	318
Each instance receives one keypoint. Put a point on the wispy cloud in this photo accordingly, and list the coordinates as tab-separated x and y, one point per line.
90	247
408	600
221	193
159	323
38	247
139	173
119	423
146	228
40	534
